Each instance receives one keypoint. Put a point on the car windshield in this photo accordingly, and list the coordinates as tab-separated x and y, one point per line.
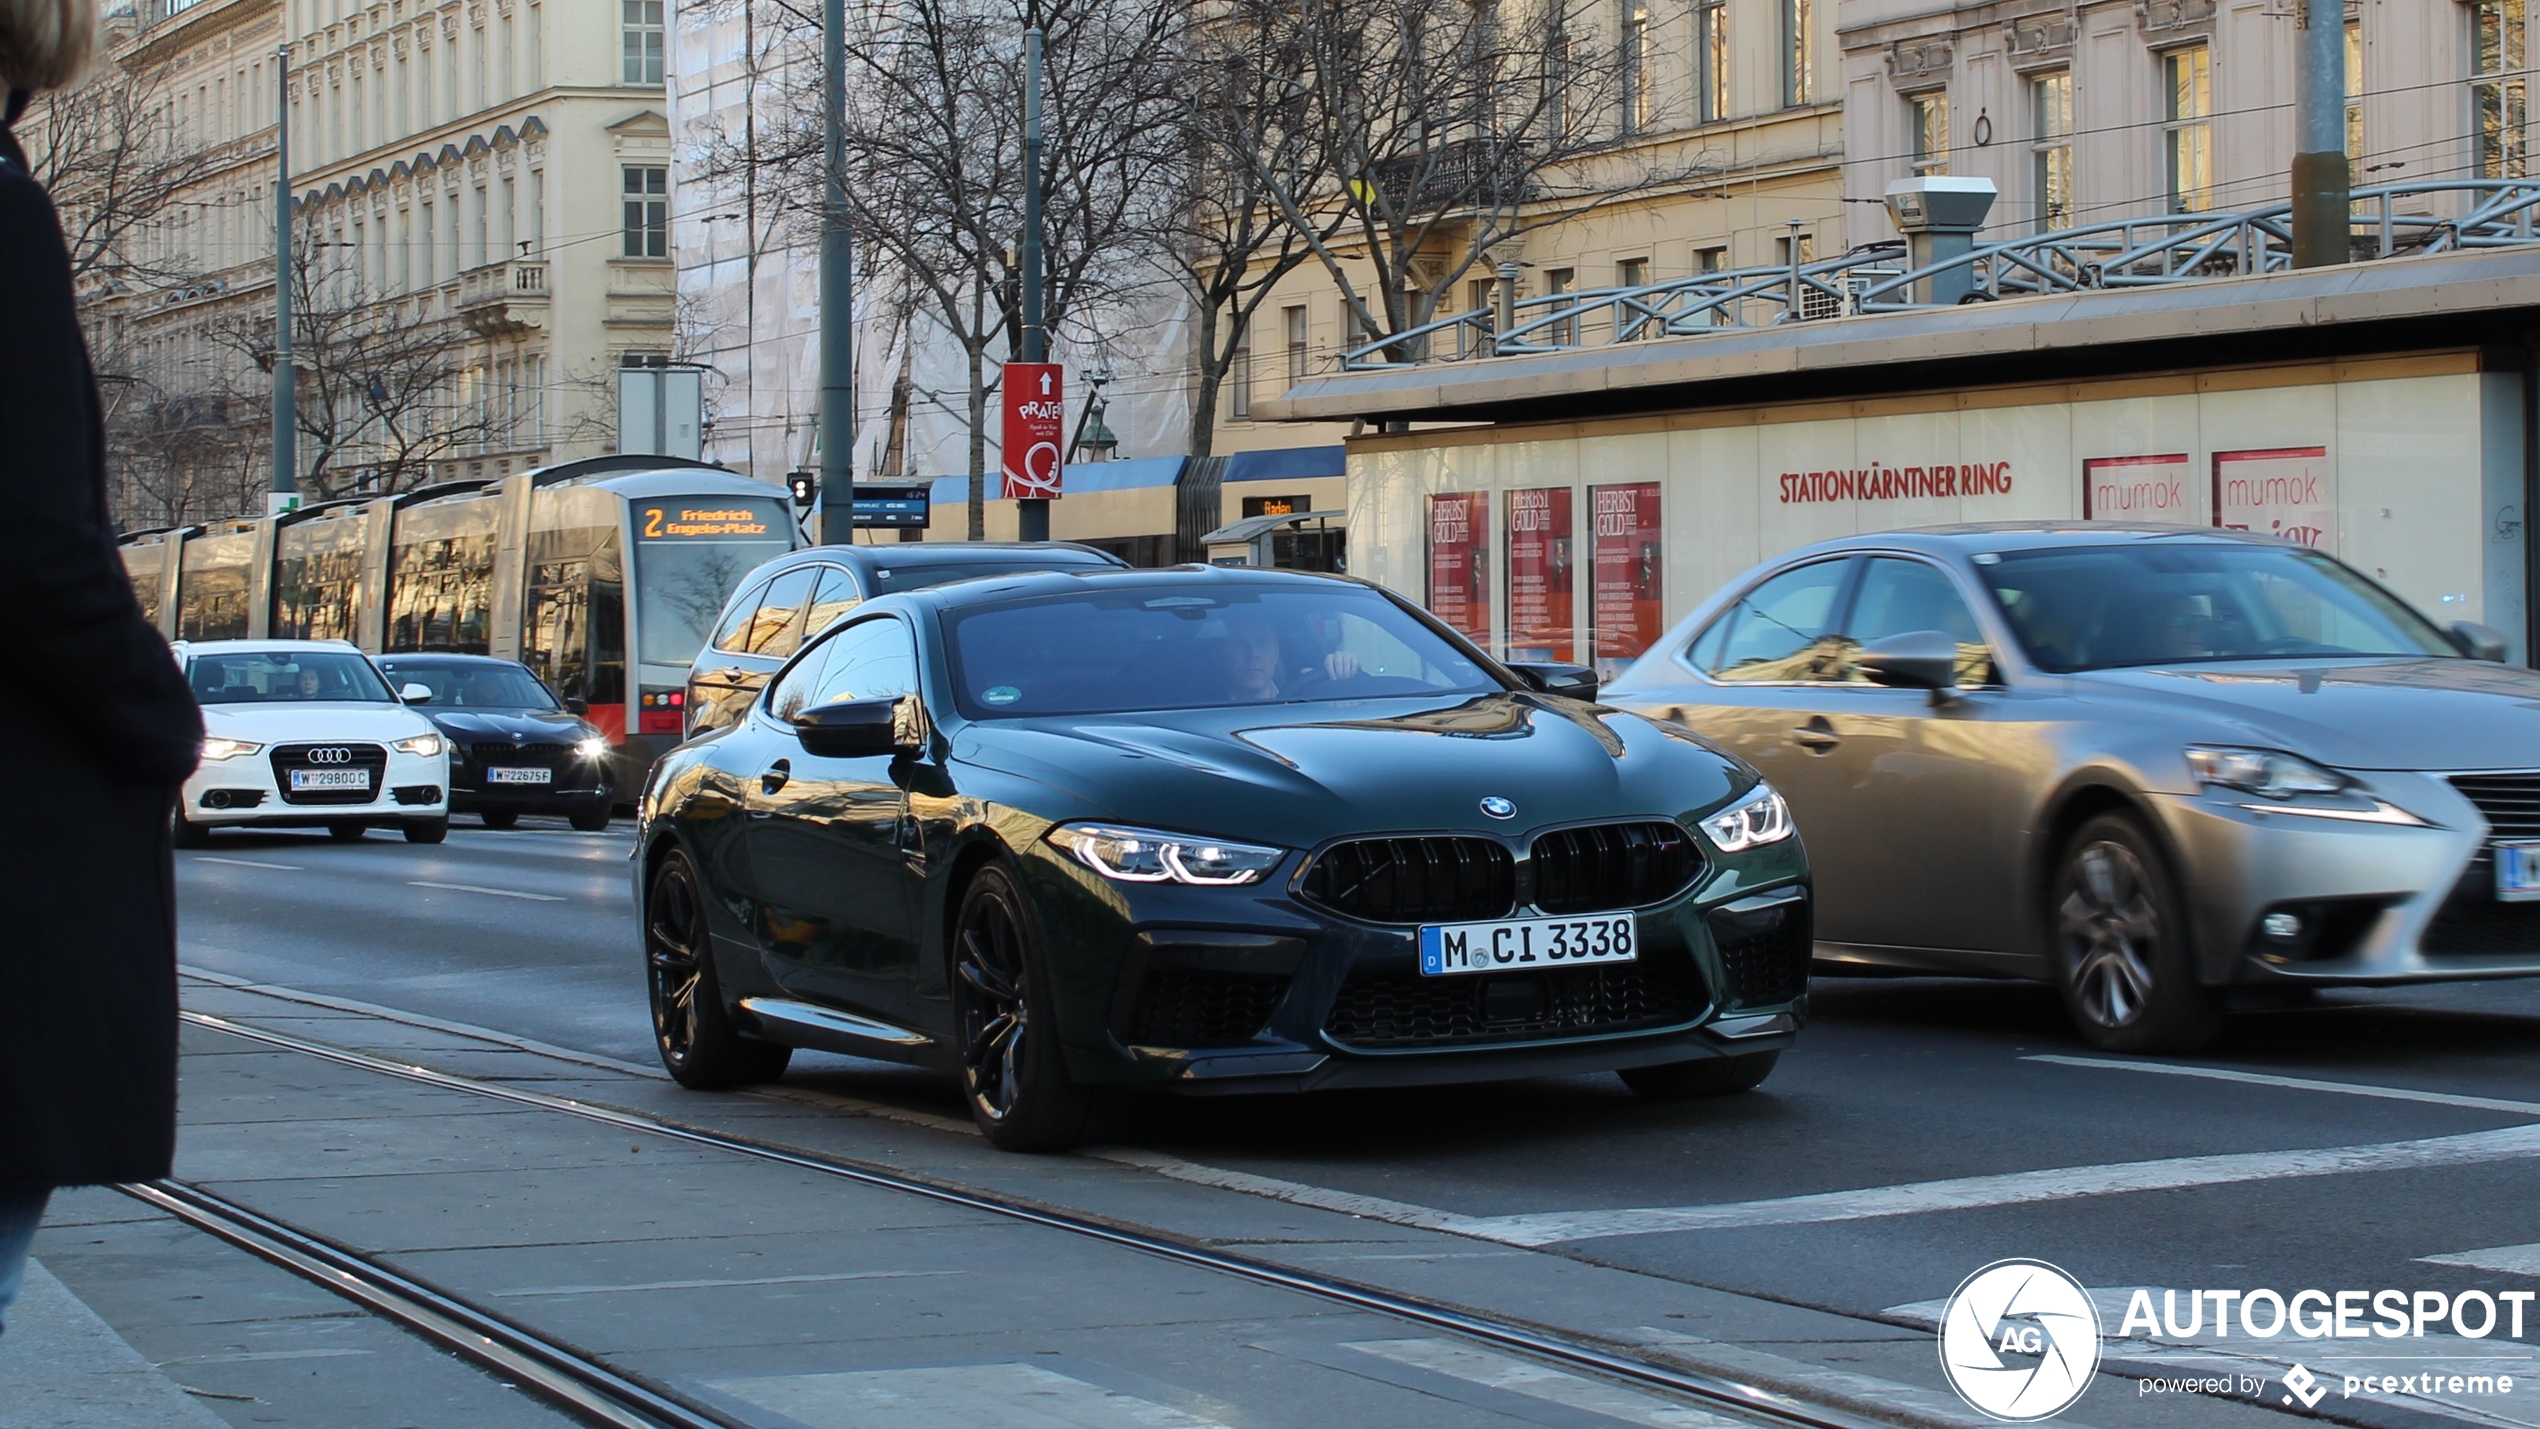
249	677
1168	647
483	687
886	579
2152	603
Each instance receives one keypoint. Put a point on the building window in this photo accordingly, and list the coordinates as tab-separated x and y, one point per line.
1556	282
1711	59
1799	51
642	33
1239	376
2497	89
643	359
1927	117
2051	147
2187	102
647	213
1631	322
2354	103
1292	321
1636	68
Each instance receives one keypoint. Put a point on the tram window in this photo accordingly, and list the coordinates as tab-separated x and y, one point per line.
689	560
773	630
441	587
317	586
212	593
835	597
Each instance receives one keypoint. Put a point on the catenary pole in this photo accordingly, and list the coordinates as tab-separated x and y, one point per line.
2320	177
1032	515
286	449
837	293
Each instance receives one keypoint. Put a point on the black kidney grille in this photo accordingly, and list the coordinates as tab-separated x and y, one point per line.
1613	866
1404	1009
2511	802
504	752
1414	880
371	758
1182	1008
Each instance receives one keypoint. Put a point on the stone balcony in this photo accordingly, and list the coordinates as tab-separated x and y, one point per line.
504	299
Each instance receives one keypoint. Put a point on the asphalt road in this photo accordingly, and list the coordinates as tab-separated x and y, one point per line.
1920	1130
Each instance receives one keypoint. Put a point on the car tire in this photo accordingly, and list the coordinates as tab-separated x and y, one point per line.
430	831
186	833
345	833
1707	1077
2123	958
499	818
692	1029
1013	1072
591	820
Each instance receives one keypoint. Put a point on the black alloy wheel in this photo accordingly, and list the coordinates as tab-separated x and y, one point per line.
1013	1073
2123	960
428	831
346	831
692	1029
1709	1077
498	818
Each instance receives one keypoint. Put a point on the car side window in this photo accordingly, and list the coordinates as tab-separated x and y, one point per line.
872	660
1782	631
1898	597
733	634
831	600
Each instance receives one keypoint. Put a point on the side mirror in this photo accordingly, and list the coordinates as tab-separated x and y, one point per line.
416	693
1577	682
1915	660
2479	642
862	729
580	707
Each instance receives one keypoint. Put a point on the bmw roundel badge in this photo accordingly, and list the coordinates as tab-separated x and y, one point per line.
1499	808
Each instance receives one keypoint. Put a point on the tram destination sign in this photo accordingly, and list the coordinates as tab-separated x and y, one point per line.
879	505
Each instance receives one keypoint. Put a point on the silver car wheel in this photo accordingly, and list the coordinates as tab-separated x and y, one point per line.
2111	932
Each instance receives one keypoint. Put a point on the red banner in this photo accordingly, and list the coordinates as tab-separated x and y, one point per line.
1539	574
1035	424
1630	593
1459	563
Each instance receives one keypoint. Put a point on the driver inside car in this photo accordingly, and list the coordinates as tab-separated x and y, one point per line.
1254	658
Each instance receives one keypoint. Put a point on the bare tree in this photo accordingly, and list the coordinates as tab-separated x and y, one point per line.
378	401
934	168
111	153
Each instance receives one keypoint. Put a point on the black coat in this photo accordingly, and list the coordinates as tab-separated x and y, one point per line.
102	727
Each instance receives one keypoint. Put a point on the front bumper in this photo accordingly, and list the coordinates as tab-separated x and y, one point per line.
243	792
2382	903
1211	991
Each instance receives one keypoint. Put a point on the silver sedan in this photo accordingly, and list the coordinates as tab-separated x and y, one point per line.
2147	764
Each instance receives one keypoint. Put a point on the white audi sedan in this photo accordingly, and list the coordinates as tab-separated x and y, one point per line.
307	734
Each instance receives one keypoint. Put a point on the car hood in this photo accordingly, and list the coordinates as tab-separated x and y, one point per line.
541	726
1296	775
2382	714
314	719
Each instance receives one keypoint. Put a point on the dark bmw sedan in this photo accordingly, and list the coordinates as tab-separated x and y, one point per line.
514	747
1210	831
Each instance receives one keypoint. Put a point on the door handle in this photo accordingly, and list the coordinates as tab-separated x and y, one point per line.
731	674
775	777
1816	736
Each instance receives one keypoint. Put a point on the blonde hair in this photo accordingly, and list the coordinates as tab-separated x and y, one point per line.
45	44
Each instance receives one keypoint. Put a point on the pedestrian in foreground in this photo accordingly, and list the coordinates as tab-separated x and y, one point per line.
87	902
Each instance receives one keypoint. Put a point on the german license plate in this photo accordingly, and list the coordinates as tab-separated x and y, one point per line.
305	780
1450	948
520	776
2518	871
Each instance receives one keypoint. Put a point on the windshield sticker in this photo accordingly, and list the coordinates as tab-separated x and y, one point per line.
1001	694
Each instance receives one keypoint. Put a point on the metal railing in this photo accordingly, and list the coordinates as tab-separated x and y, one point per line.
2392	220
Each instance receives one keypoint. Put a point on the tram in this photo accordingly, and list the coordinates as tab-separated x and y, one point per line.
537	567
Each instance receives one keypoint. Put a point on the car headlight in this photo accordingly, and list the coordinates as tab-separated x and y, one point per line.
1758	819
1146	856
596	747
422	745
2264	772
215	747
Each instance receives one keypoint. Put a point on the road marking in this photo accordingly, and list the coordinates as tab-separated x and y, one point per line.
2299	1084
1867	1395
480	888
1374	1208
953	1397
722	1284
248	863
1534	1381
2511	1259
